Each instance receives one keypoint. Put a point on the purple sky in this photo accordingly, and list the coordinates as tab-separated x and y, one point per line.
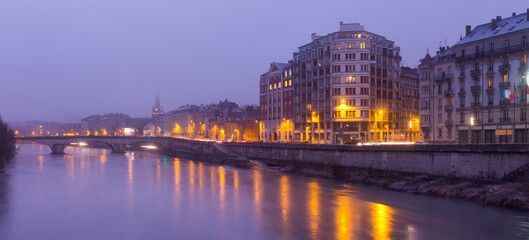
62	60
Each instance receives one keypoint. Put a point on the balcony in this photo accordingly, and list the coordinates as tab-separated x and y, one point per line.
443	77
505	85
448	92
505	102
475	104
505	120
505	68
475	73
462	91
475	88
449	123
449	108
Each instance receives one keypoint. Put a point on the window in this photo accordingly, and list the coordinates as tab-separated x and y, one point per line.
524	41
337	46
506	78
336	91
364	56
335	57
336	114
336	68
362	45
350	79
524	59
350	56
523	113
490	98
462	117
349	45
491	82
507	45
350	91
364	68
490	116
350	68
335	80
491	65
462	101
491	48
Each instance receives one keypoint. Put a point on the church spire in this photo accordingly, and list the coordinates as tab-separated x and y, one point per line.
157	110
157	102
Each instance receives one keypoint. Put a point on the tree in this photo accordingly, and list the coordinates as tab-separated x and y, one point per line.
7	144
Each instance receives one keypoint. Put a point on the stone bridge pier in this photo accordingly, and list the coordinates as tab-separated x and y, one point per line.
118	148
57	148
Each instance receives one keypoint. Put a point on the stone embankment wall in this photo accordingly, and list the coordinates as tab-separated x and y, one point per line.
483	162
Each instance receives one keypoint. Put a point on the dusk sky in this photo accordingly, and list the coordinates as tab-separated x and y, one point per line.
62	60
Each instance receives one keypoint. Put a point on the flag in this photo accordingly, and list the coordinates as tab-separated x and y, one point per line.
508	94
516	95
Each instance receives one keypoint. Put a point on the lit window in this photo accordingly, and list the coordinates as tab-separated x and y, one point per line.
289	82
362	45
270	86
490	81
506	78
337	46
275	85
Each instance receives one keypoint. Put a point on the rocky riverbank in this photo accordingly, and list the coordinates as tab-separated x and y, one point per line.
501	194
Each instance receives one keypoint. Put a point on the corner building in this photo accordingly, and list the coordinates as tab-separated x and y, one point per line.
491	70
347	88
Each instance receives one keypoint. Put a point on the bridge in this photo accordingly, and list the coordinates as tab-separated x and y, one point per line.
119	144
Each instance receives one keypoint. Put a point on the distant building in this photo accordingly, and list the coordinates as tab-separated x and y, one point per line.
43	128
113	124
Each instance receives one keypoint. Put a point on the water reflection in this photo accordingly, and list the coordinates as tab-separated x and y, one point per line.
314	209
381	221
285	203
222	181
343	218
232	203
257	191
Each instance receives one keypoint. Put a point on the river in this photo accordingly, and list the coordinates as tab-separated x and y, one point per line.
95	194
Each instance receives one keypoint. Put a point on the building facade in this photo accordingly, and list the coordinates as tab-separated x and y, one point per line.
275	103
410	103
347	88
491	70
437	96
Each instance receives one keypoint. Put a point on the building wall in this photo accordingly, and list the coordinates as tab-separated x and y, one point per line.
347	88
485	68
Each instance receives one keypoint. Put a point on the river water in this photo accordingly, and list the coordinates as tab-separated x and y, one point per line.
95	194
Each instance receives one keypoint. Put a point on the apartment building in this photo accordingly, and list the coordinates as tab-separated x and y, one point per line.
437	97
410	103
346	88
275	103
491	70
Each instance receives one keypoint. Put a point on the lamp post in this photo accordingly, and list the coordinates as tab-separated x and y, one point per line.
411	124
470	129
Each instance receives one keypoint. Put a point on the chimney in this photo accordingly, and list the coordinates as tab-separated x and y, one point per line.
513	14
469	28
493	23
498	18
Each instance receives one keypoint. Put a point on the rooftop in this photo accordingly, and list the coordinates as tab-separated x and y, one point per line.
504	26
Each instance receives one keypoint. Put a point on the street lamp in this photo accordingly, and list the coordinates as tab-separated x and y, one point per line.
411	125
471	127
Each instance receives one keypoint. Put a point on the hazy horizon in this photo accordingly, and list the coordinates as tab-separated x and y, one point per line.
65	60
